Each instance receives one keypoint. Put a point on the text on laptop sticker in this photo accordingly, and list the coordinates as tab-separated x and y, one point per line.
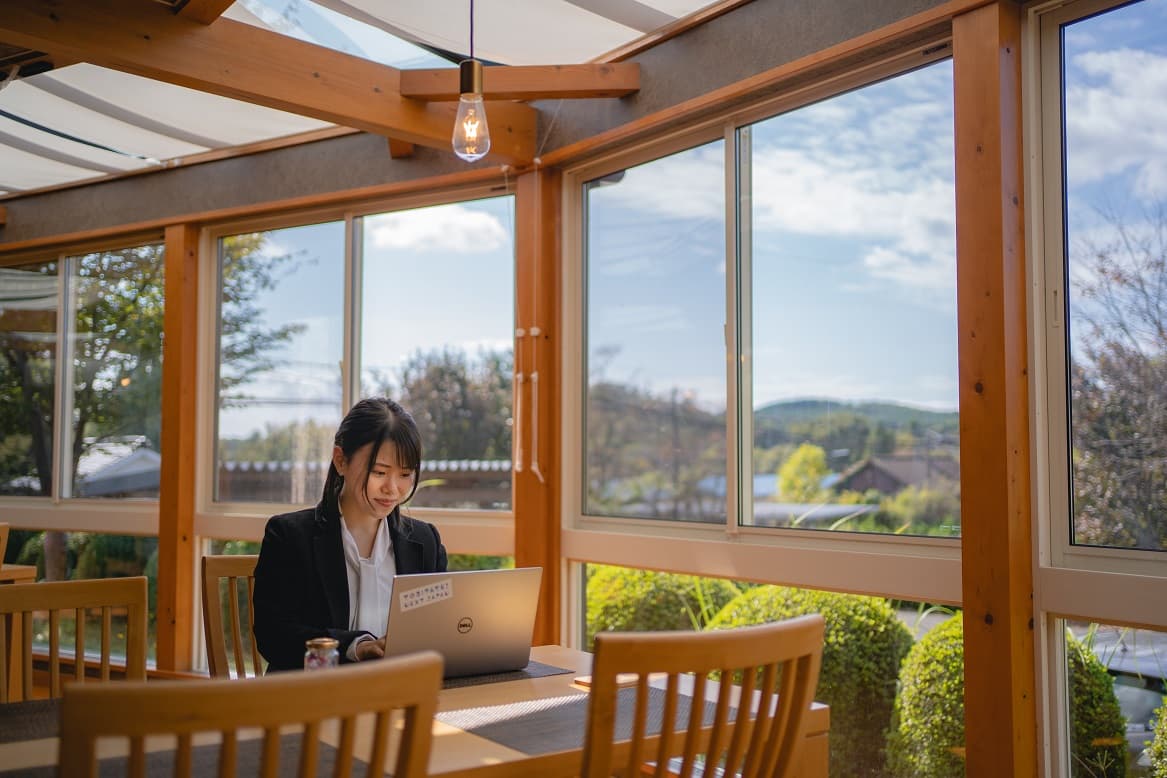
427	595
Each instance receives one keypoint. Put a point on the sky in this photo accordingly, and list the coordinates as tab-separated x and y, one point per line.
433	277
1115	88
853	246
852	209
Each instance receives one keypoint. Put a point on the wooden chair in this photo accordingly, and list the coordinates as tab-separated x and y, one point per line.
758	740
408	684
237	570
3	540
107	594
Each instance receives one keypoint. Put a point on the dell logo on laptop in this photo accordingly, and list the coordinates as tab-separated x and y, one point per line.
465	624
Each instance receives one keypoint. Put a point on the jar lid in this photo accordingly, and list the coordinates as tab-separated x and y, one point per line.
322	643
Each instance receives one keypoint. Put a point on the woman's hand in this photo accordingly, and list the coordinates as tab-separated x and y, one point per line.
370	649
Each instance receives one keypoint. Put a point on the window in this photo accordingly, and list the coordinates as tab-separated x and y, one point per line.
655	444
281	344
1115	221
428	321
437	334
1102	352
114	372
851	248
28	362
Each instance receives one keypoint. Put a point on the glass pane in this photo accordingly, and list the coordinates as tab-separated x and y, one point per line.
74	556
1115	682
28	363
867	639
654	441
437	324
1115	67
281	331
116	309
853	301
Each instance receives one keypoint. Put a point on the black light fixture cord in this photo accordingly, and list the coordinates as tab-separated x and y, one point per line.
471	29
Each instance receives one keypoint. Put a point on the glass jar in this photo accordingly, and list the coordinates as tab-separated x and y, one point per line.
320	653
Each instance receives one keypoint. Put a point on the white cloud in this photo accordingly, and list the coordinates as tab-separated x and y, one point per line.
1116	108
689	185
445	228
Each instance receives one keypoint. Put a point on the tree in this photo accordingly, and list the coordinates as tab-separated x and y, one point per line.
1118	372
800	476
462	405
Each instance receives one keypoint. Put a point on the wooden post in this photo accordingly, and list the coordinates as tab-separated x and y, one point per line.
536	478
1000	710
176	501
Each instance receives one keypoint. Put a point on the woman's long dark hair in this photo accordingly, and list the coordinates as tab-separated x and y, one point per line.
374	420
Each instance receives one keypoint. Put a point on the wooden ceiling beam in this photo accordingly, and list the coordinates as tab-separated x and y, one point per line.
204	11
527	82
237	60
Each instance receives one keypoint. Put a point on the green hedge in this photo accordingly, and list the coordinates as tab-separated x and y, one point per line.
1158	746
863	647
624	599
927	734
927	737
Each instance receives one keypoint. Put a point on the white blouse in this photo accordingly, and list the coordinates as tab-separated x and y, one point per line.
370	582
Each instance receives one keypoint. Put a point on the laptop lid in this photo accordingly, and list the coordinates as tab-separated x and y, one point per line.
480	621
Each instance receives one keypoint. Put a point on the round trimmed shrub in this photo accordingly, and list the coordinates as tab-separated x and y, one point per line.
622	599
1157	749
927	733
1096	722
927	736
865	643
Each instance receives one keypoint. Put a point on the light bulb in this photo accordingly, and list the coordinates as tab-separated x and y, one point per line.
471	139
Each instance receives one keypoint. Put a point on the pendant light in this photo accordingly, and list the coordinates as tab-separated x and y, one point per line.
471	139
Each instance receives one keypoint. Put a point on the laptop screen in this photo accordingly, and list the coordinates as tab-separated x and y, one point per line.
480	621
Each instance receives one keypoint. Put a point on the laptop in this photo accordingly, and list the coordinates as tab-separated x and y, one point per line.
480	621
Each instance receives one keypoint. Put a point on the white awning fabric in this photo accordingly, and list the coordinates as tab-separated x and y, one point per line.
83	122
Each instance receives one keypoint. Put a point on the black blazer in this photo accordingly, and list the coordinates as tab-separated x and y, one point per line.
301	587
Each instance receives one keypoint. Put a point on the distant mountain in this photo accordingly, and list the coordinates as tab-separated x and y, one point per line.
890	414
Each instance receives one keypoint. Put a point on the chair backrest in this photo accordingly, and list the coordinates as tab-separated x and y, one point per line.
107	595
404	688
761	739
3	540
238	571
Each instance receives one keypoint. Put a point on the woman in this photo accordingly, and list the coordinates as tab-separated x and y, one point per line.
328	571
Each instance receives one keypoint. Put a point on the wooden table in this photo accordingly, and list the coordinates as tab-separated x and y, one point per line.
458	753
14	574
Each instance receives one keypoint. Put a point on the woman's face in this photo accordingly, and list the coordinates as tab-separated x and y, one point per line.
389	481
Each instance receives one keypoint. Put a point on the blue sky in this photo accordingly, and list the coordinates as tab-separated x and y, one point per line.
1116	145
854	283
433	277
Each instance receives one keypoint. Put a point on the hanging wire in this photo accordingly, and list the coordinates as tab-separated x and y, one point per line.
471	29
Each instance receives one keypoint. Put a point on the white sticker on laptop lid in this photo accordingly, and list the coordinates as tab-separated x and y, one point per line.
427	595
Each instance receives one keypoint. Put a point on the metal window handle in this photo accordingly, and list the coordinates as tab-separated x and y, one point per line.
518	426
535	427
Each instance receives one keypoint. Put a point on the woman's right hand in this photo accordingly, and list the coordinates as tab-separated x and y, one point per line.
370	649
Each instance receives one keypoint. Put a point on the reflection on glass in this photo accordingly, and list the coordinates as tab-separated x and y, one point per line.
655	352
79	556
1115	67
116	302
28	356
854	311
281	313
437	334
1115	683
